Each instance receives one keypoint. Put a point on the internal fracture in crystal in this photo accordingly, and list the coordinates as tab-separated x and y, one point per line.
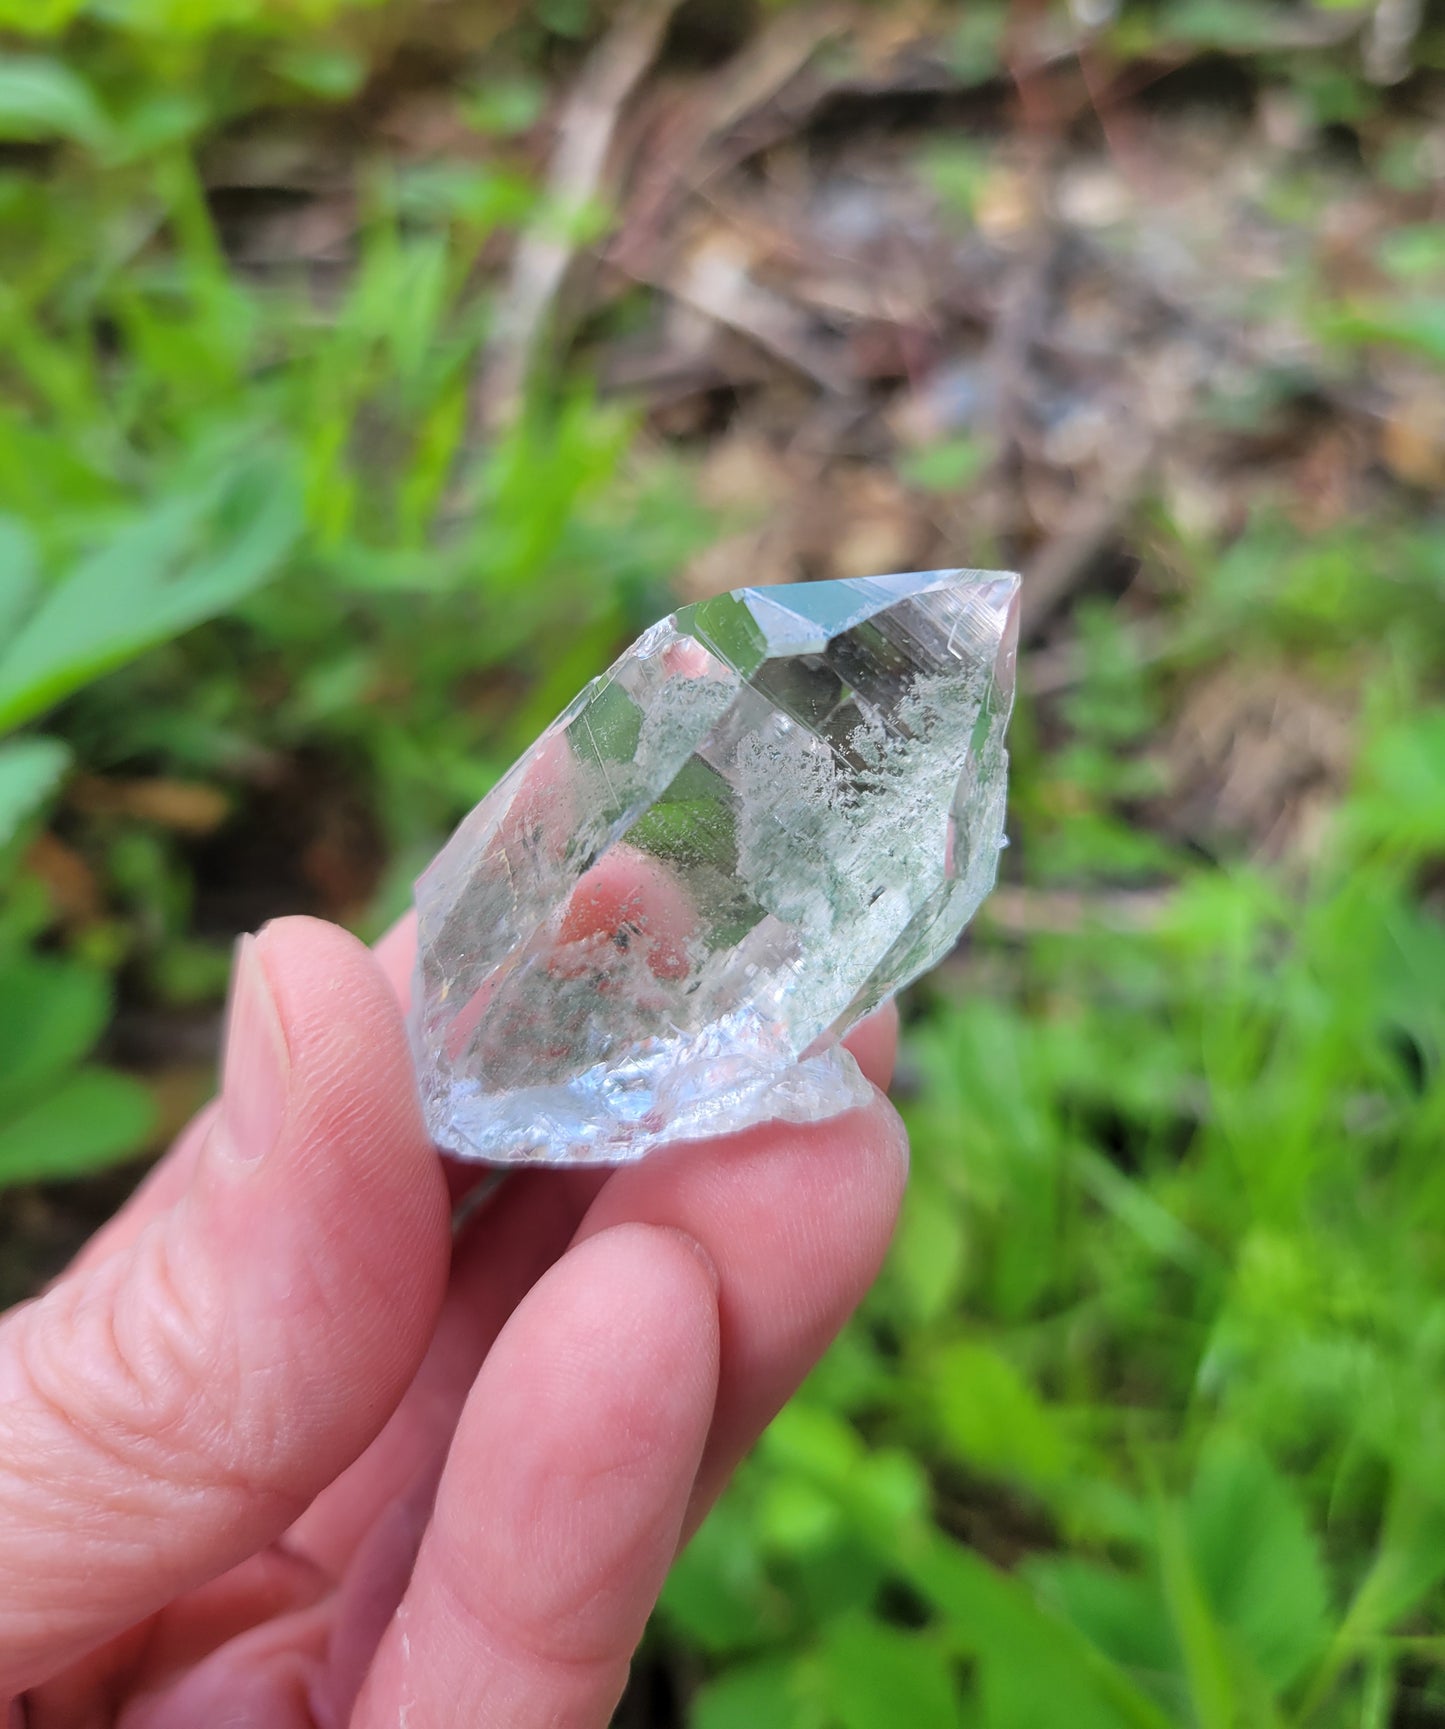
778	807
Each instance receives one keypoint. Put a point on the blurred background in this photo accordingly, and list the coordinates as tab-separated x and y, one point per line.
371	373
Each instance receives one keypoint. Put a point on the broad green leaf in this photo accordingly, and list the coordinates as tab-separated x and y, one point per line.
1029	1660
761	1696
1417	326
718	1594
1401	798
877	1676
93	1118
41	99
186	561
795	1517
1123	1616
30	770
928	1254
992	1419
38	17
328	70
1206	1660
51	1014
1237	26
19	574
505	107
1258	1561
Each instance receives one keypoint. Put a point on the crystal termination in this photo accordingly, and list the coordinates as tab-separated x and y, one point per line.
779	806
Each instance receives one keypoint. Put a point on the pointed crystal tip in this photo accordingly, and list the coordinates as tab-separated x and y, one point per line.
779	806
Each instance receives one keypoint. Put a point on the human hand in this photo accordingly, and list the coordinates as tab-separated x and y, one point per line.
278	1451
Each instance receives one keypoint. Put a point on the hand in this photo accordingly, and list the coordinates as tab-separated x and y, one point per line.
278	1451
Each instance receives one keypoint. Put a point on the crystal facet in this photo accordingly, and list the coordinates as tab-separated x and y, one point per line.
775	809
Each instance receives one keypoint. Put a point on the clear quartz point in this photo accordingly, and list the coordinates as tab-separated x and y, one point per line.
776	808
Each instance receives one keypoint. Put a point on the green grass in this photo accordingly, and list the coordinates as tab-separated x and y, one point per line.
1145	1422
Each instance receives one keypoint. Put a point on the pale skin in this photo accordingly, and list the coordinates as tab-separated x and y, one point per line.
278	1451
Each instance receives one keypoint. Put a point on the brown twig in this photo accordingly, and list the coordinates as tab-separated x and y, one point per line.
696	141
586	129
1064	561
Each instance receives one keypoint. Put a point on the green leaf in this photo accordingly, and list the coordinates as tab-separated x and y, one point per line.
1211	1682
956	171
1415	325
1234	26
1401	798
1029	1660
690	832
929	1251
506	107
93	1118
42	99
19	574
30	770
189	559
1124	1617
992	1419
1258	1561
328	70
878	1676
1409	1564
717	1594
51	1014
761	1696
947	467
38	17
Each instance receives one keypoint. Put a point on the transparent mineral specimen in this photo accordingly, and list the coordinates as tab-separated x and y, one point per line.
775	809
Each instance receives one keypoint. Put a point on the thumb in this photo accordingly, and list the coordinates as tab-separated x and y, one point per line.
169	1410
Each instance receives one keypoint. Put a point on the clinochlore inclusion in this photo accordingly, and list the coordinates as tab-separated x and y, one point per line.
775	809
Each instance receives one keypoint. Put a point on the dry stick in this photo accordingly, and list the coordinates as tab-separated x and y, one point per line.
702	143
586	128
1064	561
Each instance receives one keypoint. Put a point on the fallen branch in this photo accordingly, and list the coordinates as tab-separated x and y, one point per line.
586	129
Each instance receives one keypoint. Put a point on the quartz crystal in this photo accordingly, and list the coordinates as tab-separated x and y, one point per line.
775	809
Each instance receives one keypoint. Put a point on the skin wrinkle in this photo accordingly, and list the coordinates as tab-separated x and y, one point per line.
512	1640
166	1330
793	1218
106	1368
137	1350
161	1189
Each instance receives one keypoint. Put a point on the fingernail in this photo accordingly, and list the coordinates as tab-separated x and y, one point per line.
257	1066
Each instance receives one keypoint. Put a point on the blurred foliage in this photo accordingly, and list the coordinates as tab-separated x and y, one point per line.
1145	1422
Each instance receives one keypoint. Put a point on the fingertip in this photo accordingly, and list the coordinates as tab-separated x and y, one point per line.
691	1246
647	1295
349	1199
563	1497
331	993
352	1080
798	1218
